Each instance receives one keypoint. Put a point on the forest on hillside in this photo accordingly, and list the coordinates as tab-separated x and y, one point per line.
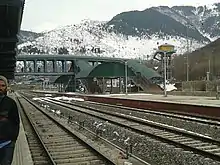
201	61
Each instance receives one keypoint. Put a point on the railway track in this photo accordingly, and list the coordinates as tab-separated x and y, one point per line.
38	152
205	127
60	145
188	141
153	115
188	117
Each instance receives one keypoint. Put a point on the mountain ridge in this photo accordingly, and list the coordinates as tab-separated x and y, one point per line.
133	34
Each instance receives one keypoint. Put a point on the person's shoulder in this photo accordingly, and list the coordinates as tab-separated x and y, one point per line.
10	102
9	99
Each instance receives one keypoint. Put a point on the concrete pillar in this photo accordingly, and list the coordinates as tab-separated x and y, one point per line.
25	66
119	84
35	66
103	85
61	87
54	66
75	73
45	66
124	85
111	86
208	76
64	66
217	92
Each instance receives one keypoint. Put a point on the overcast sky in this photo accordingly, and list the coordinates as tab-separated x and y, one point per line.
40	15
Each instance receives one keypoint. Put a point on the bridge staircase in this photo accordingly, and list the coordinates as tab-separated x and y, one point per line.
144	83
140	82
70	86
75	84
84	84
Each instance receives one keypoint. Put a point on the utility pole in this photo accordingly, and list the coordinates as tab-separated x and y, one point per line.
165	73
126	77
187	55
213	64
209	64
209	70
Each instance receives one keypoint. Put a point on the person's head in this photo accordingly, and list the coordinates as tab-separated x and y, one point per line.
3	85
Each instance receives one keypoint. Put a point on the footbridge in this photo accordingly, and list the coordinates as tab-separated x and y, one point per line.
55	65
88	72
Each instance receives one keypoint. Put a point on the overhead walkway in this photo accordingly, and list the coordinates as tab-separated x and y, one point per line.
138	73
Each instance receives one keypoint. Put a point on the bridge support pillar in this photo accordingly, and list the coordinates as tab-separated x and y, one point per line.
35	66
25	66
111	91
45	66
54	66
64	66
120	85
103	85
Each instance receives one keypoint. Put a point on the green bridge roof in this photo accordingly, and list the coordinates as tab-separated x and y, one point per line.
113	69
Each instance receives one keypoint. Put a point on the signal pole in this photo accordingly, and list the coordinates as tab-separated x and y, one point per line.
126	77
187	55
165	73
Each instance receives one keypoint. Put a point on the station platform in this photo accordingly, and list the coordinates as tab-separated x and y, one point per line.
201	106
207	107
22	154
191	100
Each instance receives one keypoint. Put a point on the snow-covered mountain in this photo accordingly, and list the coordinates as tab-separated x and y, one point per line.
199	23
134	34
206	19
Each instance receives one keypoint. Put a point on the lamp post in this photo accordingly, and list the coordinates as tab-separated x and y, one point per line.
165	50
126	77
209	70
213	64
187	55
188	49
165	73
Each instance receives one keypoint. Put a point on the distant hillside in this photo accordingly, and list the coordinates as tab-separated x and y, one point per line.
201	61
25	36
